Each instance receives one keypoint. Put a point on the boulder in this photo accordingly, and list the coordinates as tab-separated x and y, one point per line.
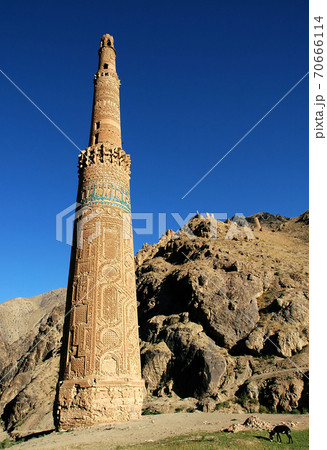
196	367
282	393
155	359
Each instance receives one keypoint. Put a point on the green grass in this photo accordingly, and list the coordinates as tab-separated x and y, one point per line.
150	412
6	443
221	440
222	405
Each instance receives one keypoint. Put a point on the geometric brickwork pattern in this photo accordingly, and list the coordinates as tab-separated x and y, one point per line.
100	375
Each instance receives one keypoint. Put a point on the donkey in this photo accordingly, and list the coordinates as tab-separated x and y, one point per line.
280	429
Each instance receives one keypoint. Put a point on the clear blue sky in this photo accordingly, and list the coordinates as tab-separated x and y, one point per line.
196	76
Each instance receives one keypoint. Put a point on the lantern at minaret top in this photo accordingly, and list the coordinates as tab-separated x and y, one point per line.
105	126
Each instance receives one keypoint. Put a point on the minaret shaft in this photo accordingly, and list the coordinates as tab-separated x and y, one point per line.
100	373
105	126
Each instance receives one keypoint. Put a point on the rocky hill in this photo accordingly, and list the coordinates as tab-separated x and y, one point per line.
31	331
223	314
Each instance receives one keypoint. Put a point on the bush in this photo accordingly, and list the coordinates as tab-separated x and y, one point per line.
222	405
6	443
150	412
243	398
239	369
263	409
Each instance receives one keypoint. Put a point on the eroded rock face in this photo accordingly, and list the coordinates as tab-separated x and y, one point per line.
27	389
195	365
219	284
155	359
286	331
215	291
283	394
248	294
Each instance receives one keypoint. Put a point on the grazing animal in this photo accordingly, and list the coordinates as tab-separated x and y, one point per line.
281	429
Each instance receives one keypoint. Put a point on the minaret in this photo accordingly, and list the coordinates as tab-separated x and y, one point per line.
100	373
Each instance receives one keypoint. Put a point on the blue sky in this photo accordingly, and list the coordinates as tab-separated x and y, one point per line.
196	76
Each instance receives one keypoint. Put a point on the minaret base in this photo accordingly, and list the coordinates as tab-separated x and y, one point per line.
88	402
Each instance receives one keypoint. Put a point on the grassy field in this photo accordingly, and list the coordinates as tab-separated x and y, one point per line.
241	440
219	440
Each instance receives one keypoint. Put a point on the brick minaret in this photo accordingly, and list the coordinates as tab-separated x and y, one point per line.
100	375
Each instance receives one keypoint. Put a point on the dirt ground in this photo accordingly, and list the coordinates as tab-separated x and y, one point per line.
151	429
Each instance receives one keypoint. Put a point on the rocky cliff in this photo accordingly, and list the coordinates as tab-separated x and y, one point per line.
31	332
223	315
